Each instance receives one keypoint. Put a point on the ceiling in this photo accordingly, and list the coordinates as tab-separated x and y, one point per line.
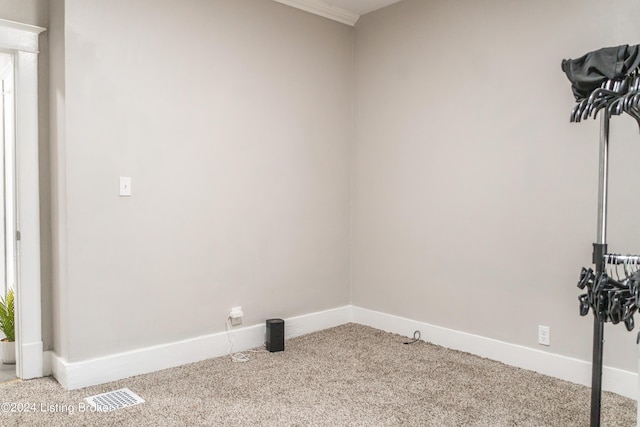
345	11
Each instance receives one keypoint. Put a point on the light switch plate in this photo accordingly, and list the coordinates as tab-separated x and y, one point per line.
125	186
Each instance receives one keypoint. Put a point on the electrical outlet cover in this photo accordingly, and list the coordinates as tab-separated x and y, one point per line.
543	335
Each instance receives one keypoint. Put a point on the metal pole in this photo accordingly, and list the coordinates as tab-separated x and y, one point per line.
604	178
599	250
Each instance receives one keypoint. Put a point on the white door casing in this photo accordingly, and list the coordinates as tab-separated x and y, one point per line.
21	40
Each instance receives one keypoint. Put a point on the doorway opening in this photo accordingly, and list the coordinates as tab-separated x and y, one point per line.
7	189
20	44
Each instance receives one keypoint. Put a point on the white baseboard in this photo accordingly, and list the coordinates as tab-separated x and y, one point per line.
74	375
577	371
305	324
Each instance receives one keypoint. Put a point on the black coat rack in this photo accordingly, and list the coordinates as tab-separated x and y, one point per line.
606	81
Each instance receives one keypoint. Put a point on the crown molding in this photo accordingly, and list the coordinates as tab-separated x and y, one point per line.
18	36
323	9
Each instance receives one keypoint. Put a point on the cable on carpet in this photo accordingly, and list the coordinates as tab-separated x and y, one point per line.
416	338
240	356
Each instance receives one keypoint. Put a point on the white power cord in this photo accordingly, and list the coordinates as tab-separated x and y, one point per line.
239	356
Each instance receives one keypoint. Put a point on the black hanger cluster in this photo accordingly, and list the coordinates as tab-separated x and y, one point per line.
612	300
605	78
617	96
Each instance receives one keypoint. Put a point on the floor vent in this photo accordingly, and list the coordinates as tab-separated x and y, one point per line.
113	400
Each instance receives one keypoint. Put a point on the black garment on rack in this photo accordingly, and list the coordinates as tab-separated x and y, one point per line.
591	70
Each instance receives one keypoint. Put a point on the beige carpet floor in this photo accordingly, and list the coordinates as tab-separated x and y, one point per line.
351	375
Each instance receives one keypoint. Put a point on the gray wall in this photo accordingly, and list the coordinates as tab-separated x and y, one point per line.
234	121
475	199
32	12
58	318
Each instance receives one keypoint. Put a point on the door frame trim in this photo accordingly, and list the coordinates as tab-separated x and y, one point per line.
22	41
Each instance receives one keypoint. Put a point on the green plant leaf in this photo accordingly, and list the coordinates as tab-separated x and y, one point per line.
7	316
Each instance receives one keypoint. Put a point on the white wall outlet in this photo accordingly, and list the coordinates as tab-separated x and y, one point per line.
543	335
235	316
125	186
